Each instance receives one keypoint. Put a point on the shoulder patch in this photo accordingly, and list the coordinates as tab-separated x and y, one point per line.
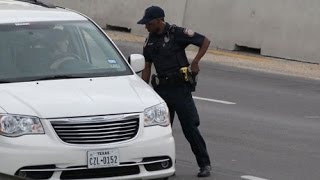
188	32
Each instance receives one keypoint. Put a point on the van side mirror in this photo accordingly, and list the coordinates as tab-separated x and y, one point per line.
137	62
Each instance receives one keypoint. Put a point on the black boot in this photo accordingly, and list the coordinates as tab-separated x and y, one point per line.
204	171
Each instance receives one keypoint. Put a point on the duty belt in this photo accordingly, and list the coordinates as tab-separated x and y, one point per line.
169	79
184	76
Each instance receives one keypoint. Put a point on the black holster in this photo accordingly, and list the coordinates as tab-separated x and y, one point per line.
189	77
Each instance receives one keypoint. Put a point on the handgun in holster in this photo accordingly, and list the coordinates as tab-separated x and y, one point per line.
189	77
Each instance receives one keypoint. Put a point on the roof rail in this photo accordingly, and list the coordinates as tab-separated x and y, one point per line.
43	3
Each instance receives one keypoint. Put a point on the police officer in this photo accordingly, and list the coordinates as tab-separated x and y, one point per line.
165	48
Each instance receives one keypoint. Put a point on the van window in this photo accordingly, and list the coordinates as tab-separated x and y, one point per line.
33	51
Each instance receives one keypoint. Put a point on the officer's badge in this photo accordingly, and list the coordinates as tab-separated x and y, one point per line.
189	32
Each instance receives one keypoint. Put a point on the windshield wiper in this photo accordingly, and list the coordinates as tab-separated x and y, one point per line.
59	77
4	81
43	3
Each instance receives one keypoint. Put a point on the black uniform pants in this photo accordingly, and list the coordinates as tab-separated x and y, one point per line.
179	99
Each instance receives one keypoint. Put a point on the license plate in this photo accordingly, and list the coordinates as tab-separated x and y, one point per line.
103	158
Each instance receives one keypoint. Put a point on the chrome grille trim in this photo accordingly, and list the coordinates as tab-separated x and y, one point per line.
93	126
98	141
97	130
102	133
92	129
100	137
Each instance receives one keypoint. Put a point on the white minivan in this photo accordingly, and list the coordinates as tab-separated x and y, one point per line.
71	107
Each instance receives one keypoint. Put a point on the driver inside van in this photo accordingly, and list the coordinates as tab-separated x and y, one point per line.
60	53
61	42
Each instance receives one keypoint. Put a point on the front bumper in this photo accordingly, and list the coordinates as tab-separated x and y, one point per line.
151	147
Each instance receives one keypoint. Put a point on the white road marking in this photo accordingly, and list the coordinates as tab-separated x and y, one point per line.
312	117
213	100
251	178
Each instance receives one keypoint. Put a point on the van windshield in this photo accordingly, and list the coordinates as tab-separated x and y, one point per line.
44	50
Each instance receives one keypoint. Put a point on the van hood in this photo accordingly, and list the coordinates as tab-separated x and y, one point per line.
78	97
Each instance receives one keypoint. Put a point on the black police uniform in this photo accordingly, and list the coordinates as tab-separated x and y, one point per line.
167	52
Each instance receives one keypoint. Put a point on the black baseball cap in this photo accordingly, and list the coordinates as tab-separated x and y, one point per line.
151	13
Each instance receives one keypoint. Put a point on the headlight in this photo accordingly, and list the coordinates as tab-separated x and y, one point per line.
157	115
16	125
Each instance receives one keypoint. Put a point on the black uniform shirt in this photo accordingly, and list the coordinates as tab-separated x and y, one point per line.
167	50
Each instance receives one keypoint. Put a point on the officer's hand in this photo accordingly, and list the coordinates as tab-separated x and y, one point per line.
195	68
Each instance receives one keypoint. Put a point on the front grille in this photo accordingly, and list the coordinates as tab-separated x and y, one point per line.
100	173
97	130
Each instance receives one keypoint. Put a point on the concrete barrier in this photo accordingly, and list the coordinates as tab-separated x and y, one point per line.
124	13
282	28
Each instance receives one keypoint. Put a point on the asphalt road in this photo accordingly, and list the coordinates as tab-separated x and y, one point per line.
256	125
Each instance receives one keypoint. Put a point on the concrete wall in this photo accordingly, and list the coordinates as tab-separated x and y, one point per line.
280	28
125	13
227	22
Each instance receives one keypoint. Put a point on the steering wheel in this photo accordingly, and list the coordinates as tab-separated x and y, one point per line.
64	58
